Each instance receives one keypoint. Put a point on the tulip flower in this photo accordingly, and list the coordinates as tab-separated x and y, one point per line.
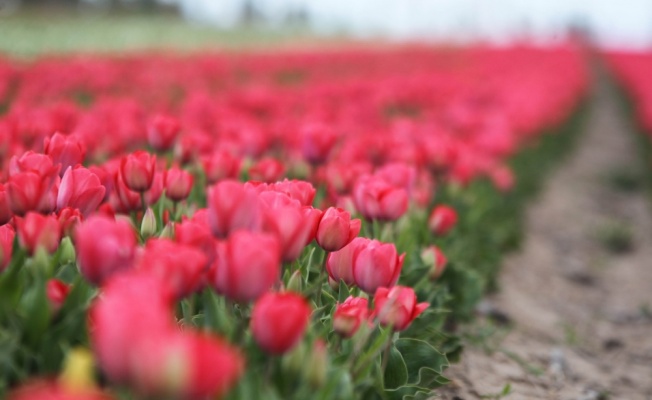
502	178
178	184
295	227
68	219
154	193
179	267
5	209
104	247
434	258
336	229
279	321
7	235
231	206
317	141
65	150
247	266
397	307
339	264
197	234
30	161
219	166
267	170
162	132
38	231
302	191
123	199
350	315
137	170
81	189
378	199
56	292
375	265
398	174
29	191
442	219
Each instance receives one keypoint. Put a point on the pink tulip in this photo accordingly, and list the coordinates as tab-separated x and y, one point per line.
377	199
81	189
350	315
247	266
231	206
336	229
397	307
178	184
137	170
376	265
56	292
104	247
162	132
219	166
442	219
67	151
38	231
7	235
279	321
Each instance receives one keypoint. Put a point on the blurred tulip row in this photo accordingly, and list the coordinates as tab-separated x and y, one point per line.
284	225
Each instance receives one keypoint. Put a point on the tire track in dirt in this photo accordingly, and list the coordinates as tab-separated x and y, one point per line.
581	325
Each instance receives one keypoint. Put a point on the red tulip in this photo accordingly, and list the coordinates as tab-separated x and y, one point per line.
123	199
80	189
5	209
432	256
336	229
132	310
154	193
52	390
295	227
339	264
179	267
349	315
376	265
137	170
279	320
29	191
104	247
68	219
247	266
67	151
302	191
30	161
317	141
7	235
162	132
398	174
197	234
442	219
267	170
56	292
231	206
377	199
220	165
178	184
38	231
397	307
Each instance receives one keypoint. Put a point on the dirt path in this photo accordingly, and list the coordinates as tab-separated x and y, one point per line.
580	315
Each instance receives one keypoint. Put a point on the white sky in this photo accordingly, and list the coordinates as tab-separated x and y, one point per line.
614	22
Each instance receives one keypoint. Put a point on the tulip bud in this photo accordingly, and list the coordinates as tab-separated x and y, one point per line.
67	251
67	151
167	232
318	363
434	258
5	209
378	199
148	224
162	131
295	283
279	320
56	292
350	315
442	219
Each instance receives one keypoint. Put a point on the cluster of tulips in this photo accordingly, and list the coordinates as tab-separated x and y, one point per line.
632	71
250	226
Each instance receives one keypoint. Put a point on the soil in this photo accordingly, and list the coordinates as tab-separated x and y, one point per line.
573	316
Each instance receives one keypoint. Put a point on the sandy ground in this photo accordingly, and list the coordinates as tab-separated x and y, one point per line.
575	319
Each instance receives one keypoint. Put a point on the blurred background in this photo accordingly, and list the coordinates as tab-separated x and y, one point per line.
35	26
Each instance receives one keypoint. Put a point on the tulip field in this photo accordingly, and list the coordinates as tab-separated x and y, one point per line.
273	225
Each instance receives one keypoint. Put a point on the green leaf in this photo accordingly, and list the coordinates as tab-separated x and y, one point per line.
38	314
396	374
419	354
216	316
343	292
